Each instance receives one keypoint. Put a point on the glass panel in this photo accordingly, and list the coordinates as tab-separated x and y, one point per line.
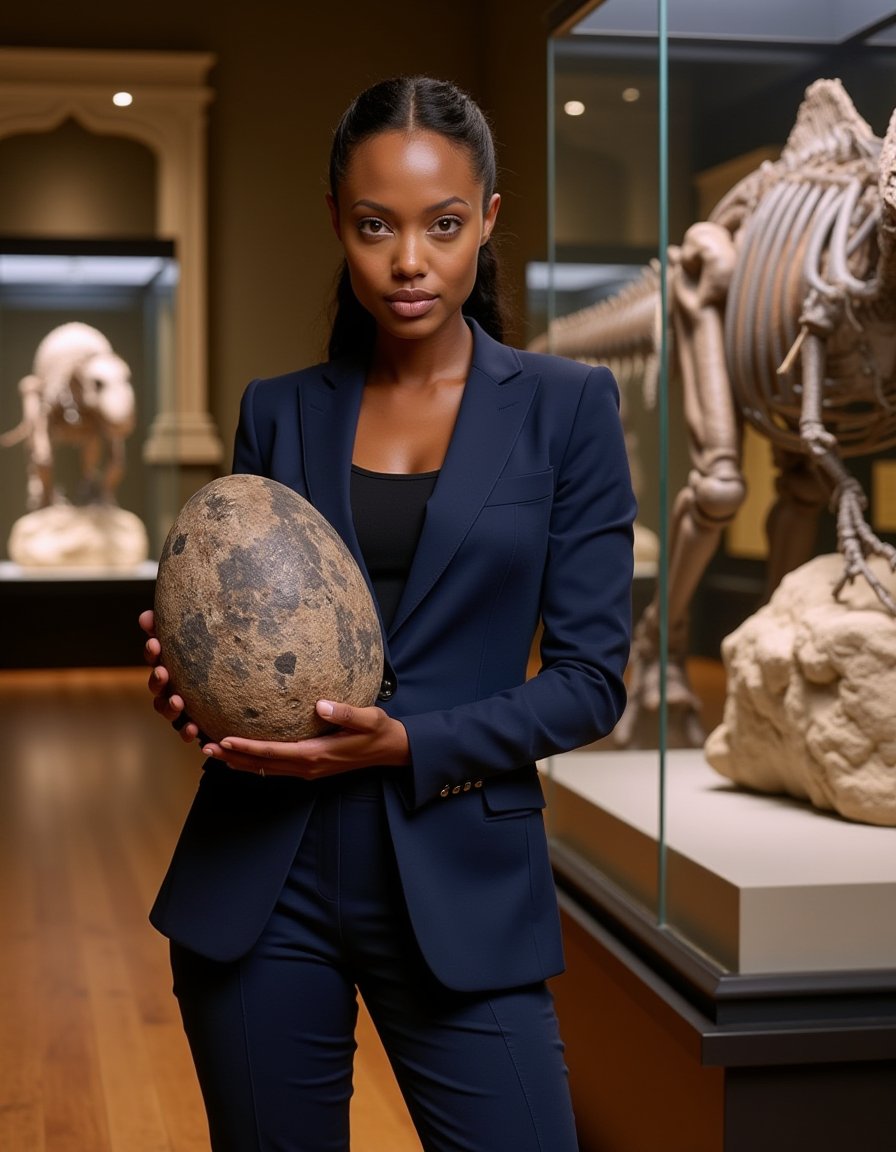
605	241
780	110
749	173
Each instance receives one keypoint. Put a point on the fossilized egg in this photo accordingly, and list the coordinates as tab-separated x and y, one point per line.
261	611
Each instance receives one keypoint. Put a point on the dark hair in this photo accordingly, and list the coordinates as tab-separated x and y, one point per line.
405	103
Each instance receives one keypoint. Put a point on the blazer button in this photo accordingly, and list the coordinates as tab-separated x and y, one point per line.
446	791
387	689
467	786
455	790
477	784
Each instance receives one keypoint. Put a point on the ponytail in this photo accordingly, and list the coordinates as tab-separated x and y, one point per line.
485	303
352	328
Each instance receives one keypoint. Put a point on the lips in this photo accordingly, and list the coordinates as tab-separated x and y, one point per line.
411	302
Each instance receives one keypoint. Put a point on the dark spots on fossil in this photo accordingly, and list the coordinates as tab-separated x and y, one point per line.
370	638
251	713
327	530
283	501
238	569
236	622
350	652
312	566
337	575
217	506
286	663
196	647
179	543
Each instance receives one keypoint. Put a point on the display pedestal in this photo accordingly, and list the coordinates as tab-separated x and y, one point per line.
74	617
792	1044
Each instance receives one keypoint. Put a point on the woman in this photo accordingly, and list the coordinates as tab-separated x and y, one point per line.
482	490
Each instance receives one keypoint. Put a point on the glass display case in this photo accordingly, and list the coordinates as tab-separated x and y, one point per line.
671	260
85	359
104	428
125	291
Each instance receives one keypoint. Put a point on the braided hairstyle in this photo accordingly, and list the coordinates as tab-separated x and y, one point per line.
406	103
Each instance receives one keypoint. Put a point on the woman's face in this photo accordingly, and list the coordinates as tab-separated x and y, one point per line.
411	220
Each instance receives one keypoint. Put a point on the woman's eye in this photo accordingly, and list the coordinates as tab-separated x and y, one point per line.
371	226
447	226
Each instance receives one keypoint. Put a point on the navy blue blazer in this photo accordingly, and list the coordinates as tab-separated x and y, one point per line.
531	519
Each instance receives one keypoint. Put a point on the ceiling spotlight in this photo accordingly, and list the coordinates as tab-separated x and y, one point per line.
573	107
122	99
630	95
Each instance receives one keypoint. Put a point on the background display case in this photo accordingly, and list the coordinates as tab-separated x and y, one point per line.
124	290
736	950
102	224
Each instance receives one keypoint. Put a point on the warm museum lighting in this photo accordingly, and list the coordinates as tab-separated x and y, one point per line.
573	107
630	95
122	99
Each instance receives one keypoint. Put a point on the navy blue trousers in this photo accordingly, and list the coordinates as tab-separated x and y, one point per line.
272	1035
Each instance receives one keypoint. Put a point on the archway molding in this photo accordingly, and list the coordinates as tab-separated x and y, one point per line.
41	88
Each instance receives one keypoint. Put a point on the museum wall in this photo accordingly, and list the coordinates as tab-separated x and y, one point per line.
283	73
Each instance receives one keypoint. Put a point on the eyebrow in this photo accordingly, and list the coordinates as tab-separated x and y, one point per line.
374	206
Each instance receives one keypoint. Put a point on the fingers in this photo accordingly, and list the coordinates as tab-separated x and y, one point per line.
171	707
253	756
356	742
158	680
152	651
246	752
168	705
348	716
189	731
306	758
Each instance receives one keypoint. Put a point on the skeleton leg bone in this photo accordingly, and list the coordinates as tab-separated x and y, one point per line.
855	539
714	490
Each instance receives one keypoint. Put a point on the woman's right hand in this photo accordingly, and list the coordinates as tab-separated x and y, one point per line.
169	705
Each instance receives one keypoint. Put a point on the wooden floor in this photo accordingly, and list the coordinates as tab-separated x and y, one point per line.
93	789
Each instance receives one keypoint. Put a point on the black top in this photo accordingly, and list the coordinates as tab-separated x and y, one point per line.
388	510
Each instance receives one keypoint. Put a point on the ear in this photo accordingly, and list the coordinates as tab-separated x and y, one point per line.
334	215
488	220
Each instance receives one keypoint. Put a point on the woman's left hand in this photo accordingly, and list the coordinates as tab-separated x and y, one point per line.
364	737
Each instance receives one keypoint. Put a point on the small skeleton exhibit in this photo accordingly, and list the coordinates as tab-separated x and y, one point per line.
79	395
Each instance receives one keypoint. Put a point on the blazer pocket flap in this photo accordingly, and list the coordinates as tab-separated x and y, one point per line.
522	489
503	794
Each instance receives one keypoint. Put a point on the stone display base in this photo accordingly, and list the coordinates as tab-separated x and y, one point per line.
90	536
760	1013
759	883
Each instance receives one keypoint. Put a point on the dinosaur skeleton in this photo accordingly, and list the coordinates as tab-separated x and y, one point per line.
782	313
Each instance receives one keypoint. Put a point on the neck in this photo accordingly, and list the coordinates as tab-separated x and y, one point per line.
447	353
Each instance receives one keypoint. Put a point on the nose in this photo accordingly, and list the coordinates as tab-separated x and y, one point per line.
409	260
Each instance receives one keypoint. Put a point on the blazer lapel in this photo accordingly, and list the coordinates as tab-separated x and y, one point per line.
494	405
329	417
496	399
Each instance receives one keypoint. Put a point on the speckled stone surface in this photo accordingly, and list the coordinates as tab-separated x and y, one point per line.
261	611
